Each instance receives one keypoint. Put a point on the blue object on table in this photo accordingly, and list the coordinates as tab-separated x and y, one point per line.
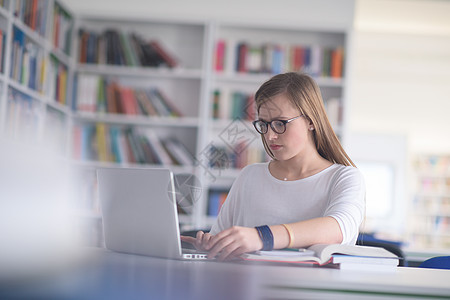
368	239
438	262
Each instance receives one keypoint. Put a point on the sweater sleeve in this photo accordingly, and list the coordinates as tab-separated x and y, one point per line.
347	203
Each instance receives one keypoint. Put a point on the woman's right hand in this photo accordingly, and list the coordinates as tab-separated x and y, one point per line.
199	242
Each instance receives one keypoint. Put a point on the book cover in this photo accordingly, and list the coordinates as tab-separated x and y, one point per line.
164	55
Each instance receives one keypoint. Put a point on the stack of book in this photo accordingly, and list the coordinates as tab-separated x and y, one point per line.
344	257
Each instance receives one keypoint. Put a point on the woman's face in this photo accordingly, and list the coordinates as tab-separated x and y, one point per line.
296	140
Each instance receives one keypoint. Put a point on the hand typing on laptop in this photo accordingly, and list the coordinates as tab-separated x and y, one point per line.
228	244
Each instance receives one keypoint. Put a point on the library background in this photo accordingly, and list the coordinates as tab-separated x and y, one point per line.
105	91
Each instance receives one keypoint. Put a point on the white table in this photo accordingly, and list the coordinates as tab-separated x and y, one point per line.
108	275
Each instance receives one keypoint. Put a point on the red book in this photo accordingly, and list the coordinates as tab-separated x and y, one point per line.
298	58
242	57
166	57
111	99
33	14
220	55
129	103
337	57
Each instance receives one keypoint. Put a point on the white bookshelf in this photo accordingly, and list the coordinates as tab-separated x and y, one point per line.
229	80
21	98
190	85
429	211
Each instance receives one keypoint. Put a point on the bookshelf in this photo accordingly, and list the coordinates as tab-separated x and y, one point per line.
429	211
35	72
137	100
244	56
153	92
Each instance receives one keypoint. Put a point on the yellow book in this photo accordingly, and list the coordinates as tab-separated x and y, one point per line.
101	143
62	87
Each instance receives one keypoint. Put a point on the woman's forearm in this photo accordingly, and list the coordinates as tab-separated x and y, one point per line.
324	230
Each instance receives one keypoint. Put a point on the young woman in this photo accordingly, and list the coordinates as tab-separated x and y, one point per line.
309	193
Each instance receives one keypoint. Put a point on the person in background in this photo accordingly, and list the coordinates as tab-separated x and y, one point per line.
309	193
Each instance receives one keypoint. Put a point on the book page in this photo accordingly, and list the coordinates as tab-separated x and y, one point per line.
325	251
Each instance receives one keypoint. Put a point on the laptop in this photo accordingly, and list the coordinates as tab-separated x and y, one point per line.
139	213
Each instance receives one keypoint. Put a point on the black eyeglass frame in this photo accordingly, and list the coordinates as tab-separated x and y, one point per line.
271	126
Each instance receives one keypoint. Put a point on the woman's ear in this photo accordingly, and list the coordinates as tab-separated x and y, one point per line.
310	124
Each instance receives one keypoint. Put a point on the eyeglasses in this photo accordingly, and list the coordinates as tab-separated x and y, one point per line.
278	126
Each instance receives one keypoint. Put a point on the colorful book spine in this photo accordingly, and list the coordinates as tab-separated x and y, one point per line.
216	200
127	145
275	58
234	105
62	27
220	54
125	49
27	62
33	13
96	94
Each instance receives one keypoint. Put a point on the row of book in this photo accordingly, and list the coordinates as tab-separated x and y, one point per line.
62	27
272	58
241	155
28	62
433	163
233	105
216	198
58	81
97	94
32	13
126	49
105	143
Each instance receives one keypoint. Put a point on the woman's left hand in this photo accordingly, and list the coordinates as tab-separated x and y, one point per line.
233	242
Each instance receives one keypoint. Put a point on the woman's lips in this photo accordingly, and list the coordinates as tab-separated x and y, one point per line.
275	147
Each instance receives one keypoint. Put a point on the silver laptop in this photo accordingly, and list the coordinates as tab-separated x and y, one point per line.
140	212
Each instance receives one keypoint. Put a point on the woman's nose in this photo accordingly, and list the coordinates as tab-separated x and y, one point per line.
270	134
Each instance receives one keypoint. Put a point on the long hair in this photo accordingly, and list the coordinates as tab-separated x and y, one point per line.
304	93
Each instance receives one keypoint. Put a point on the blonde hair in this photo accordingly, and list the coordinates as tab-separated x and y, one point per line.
304	93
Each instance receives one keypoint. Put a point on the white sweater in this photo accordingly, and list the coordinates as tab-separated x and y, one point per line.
257	198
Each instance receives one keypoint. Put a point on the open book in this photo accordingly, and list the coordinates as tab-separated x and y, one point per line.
323	254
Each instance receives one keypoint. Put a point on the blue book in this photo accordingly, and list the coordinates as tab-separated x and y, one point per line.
214	202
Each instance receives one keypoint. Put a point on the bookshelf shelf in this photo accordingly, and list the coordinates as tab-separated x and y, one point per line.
258	79
4	12
141	72
61	56
183	122
28	91
34	36
59	107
